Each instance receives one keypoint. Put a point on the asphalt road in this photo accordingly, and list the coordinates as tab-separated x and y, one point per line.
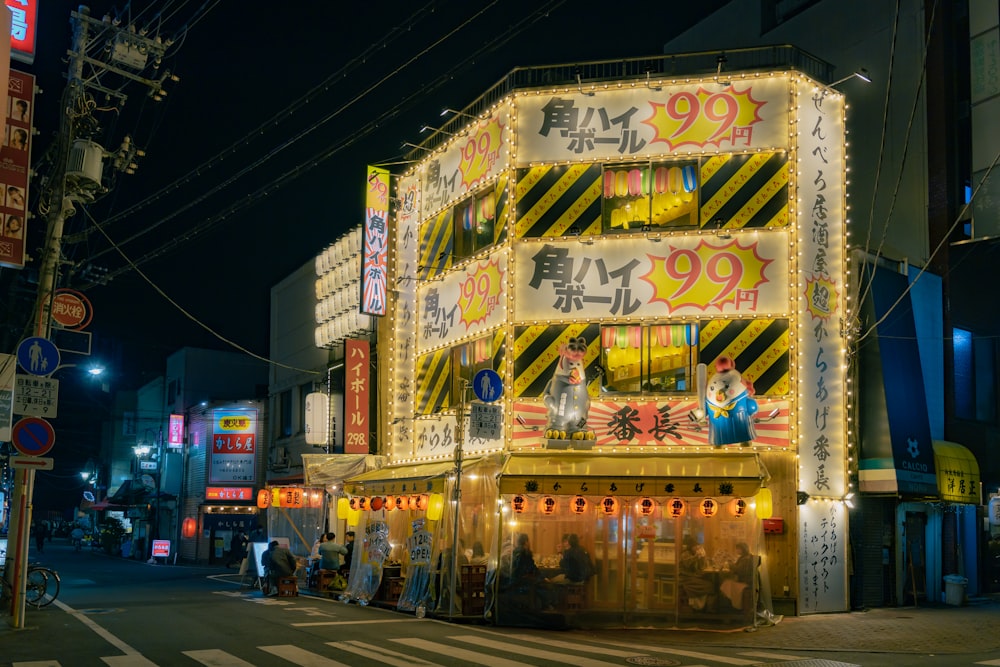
128	613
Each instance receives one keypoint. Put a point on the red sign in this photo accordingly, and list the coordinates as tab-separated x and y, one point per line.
71	309
175	432
228	493
15	157
23	25
161	548
356	393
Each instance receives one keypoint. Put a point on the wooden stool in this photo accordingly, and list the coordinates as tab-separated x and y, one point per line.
288	587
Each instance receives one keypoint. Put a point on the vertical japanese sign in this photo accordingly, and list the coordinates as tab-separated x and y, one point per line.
404	318
376	243
356	394
234	446
8	364
175	431
23	29
822	392
15	157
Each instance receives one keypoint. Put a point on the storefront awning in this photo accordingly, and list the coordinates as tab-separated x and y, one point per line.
413	478
333	469
957	473
622	474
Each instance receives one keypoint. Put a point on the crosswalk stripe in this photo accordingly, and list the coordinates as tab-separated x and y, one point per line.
313	624
988	662
687	654
36	663
389	657
128	660
216	658
578	661
773	656
589	648
473	657
300	656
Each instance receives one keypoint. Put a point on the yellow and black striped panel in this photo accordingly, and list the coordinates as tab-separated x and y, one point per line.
499	348
745	191
433	382
502	203
759	347
437	243
559	200
536	353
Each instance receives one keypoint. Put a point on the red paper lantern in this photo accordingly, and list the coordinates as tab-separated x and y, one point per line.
738	507
548	505
676	507
708	507
518	503
189	528
579	505
609	505
376	503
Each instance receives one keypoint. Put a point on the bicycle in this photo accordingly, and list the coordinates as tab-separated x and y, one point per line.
40	589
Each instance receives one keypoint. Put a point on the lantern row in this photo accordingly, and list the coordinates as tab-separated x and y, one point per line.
674	508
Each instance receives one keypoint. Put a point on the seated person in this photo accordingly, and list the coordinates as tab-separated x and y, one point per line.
742	576
697	586
330	553
575	565
278	562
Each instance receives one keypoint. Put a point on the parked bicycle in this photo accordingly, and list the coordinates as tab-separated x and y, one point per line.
40	589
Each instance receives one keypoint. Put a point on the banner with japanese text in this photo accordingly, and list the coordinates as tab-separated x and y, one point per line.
234	446
404	315
15	159
375	242
747	115
357	428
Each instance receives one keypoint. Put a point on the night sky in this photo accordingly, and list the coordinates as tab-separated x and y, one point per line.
249	181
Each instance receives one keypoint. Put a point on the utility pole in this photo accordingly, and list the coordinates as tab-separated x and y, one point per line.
128	49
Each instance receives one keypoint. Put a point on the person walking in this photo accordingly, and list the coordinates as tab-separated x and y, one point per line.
41	533
238	548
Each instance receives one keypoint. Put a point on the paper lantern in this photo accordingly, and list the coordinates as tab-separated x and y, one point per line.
189	528
343	507
353	517
402	503
435	507
363	503
708	507
423	501
765	504
738	507
646	506
518	503
355	504
548	505
390	503
413	501
609	505
676	508
376	503
263	499
315	499
579	505
292	497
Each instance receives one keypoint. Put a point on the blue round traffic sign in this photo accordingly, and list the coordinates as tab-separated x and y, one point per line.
487	385
38	356
33	436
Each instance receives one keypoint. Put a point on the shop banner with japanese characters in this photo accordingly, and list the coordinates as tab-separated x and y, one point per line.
695	275
357	390
234	446
15	158
375	242
745	115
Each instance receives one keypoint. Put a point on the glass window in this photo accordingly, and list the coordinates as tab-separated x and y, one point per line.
648	358
650	195
474	224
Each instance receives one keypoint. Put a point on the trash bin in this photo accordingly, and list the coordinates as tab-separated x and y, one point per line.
954	589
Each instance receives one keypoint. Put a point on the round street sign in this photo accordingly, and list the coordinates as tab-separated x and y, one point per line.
38	356
71	309
33	436
487	385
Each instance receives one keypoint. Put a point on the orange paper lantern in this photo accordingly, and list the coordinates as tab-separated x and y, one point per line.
646	506
423	500
738	507
390	503
355	504
402	503
676	507
609	505
518	503
708	507
414	501
363	503
263	499
579	505
548	505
